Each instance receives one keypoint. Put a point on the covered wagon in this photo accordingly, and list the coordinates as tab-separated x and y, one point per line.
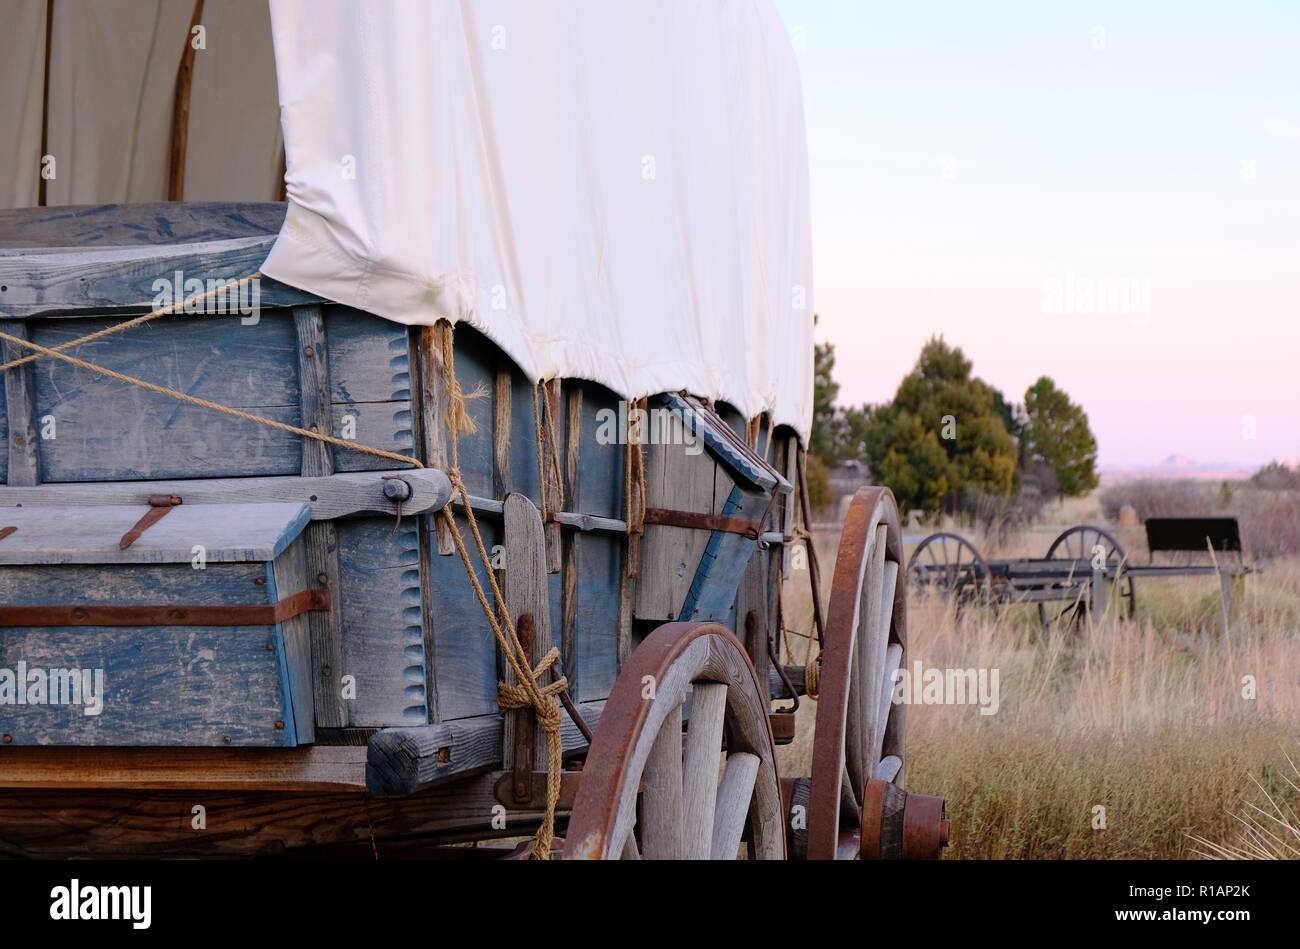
406	456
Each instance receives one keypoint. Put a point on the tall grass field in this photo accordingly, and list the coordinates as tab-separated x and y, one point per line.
1156	737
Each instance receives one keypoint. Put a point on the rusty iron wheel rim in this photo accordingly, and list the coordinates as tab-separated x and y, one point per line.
849	750
631	737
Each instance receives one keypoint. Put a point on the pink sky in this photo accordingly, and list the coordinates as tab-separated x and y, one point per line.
1108	198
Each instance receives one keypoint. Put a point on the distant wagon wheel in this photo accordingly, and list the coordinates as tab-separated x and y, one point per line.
951	564
1078	544
647	792
859	729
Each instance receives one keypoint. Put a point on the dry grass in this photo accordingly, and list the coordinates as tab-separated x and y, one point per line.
1146	719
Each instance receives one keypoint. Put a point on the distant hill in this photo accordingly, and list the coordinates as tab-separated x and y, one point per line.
1176	467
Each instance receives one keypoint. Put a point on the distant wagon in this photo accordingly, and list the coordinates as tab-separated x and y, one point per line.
307	545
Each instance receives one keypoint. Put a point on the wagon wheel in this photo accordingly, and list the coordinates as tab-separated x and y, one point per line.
1078	543
859	729
646	792
952	564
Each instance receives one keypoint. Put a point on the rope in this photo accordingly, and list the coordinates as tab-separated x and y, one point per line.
214	406
130	324
526	691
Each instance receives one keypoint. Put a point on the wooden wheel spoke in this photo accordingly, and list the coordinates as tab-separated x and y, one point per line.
700	770
893	659
848	798
889	767
732	809
661	801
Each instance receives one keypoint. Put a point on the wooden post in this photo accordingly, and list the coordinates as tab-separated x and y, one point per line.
20	389
572	546
1100	594
550	476
433	413
501	480
524	586
325	628
181	111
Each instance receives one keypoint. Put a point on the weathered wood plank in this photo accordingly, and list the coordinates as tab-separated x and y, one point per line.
712	591
313	388
168	686
432	373
316	768
554	462
382	621
670	555
467	653
286	576
90	535
122	279
320	558
502	421
524	585
22	463
597	621
62	823
369	357
99	225
406	760
340	495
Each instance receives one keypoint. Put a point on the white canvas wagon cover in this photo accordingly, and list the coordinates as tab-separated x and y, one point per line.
614	191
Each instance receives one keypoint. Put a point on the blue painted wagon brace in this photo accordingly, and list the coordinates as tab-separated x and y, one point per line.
261	614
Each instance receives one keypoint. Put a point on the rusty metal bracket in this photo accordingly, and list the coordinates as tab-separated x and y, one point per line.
504	791
703	522
6	531
159	506
114	614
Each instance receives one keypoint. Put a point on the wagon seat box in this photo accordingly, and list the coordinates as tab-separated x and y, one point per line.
162	624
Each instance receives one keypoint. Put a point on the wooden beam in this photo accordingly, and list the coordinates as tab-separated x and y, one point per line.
181	111
524	587
552	472
327	498
42	195
71	281
432	373
311	768
20	396
405	760
137	225
246	821
322	547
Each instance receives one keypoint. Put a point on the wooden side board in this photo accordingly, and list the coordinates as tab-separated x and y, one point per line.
139	225
248	823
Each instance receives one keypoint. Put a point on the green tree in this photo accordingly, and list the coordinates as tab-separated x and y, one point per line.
1056	433
940	433
824	442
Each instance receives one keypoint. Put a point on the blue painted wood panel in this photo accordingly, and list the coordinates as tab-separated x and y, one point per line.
222	686
109	430
383	620
600	482
162	685
596	617
476	360
465	651
369	357
4	435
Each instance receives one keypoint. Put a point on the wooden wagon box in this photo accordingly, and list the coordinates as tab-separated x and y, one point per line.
194	634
